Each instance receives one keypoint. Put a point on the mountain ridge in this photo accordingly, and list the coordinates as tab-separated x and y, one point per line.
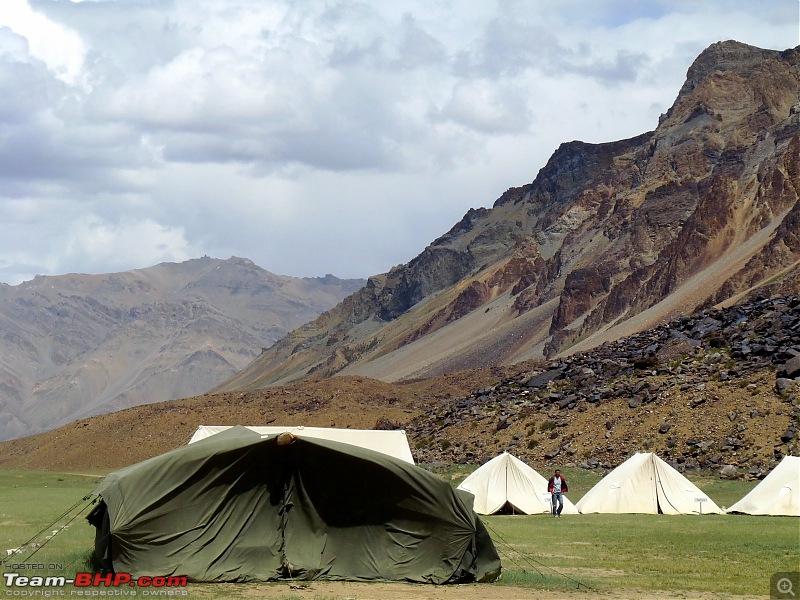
622	234
75	345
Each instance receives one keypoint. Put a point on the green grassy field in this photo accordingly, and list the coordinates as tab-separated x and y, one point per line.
30	506
729	554
733	554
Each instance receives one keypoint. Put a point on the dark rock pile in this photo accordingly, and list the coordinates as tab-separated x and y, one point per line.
751	348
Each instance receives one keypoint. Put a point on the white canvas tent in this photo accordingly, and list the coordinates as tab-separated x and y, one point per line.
646	484
777	494
506	480
391	442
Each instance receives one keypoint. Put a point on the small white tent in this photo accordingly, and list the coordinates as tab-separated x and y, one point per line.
506	480
392	442
646	484
777	494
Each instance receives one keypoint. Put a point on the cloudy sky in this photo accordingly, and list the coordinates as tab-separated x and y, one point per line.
333	136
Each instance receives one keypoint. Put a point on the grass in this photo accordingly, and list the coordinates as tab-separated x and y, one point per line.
722	554
734	554
30	506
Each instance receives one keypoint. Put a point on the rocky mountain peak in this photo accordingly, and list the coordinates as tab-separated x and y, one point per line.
729	55
607	240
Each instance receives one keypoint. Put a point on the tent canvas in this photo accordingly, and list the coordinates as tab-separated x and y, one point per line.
391	442
241	507
778	494
506	480
646	484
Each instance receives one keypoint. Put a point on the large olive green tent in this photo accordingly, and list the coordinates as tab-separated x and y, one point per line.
239	506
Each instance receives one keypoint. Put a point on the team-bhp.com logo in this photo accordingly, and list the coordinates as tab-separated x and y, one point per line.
91	584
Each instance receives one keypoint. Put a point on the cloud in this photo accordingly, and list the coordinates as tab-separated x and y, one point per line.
339	136
485	107
27	83
56	45
91	240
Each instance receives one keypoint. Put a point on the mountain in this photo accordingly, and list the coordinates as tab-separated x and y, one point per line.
78	345
716	389
608	240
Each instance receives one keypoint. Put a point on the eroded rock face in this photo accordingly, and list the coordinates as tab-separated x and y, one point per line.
694	213
716	178
433	270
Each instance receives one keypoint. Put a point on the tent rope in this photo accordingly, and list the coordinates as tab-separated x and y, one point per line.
532	561
509	551
508	547
81	505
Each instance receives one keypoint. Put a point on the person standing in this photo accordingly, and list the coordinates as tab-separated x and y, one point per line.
557	486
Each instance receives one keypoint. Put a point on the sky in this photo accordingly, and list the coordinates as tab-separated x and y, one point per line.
320	137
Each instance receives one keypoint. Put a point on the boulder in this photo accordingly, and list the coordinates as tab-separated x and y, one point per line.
784	386
790	369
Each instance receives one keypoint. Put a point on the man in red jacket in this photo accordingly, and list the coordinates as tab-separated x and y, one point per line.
557	486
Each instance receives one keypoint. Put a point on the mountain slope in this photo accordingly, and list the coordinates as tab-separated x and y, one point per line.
609	239
77	345
720	387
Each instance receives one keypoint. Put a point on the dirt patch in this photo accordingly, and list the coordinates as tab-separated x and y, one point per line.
404	591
